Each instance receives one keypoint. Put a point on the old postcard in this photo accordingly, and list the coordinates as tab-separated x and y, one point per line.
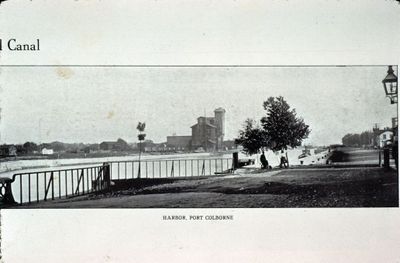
217	131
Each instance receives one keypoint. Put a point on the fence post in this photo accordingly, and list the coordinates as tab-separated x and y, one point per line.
235	157
52	186
47	188
172	170
139	171
106	173
6	196
386	158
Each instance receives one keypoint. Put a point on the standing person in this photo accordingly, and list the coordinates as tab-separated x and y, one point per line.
263	160
283	160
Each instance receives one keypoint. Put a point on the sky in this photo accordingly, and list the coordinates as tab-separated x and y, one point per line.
75	104
94	104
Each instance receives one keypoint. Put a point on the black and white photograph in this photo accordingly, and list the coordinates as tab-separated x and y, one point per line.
199	137
199	131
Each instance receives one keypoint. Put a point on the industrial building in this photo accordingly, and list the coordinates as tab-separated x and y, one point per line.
207	134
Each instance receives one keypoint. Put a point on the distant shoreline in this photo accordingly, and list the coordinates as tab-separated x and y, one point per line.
79	156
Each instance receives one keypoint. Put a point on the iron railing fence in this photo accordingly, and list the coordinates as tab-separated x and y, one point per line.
38	186
180	168
31	187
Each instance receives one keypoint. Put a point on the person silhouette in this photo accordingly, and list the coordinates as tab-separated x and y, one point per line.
264	162
283	160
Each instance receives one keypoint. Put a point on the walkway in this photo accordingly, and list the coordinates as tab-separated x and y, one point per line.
354	187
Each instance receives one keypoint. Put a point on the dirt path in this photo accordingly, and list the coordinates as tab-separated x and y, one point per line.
357	187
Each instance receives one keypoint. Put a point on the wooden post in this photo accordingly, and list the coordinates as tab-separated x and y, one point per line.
235	157
106	178
380	158
386	158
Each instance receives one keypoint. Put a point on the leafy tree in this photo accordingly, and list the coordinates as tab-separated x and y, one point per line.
122	145
365	138
57	146
141	126
280	129
252	137
30	147
282	126
354	139
351	139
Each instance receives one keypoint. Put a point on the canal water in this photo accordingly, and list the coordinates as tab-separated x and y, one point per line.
76	176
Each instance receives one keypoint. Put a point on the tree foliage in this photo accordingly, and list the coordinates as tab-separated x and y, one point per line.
30	147
252	137
282	125
279	129
122	145
354	139
141	126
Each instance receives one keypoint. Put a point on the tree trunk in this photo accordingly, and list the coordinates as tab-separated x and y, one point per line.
287	160
140	153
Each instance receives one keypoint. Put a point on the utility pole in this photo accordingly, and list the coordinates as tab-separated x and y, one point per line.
140	127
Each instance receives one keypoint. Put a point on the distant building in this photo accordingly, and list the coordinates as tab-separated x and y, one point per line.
385	138
157	147
179	143
107	146
146	146
46	151
208	133
382	137
119	145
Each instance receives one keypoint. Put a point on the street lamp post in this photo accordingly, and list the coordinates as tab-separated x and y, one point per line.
390	84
